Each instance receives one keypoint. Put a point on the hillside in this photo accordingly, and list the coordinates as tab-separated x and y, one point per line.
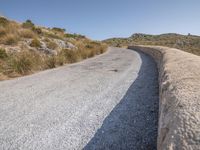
188	43
26	48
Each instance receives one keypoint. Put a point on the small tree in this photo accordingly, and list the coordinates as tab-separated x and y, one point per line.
28	24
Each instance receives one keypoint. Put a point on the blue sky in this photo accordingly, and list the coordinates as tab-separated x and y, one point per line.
101	19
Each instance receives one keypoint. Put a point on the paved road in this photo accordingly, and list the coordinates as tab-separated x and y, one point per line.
107	102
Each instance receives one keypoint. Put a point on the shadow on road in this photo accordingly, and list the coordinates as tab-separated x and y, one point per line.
132	124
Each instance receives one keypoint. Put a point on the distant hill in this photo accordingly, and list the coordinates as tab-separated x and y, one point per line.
189	43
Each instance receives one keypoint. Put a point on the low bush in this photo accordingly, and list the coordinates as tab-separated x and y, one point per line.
3	21
70	55
68	35
37	30
2	32
52	35
60	60
52	45
3	54
28	24
58	30
35	43
50	62
26	33
88	46
21	63
9	39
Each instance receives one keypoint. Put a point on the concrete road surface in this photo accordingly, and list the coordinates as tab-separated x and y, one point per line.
107	102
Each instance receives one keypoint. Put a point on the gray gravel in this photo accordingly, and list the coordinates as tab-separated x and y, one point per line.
107	102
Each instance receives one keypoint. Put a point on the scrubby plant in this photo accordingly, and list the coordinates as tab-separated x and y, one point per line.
52	35
2	31
37	30
70	55
21	63
50	62
9	39
58	29
35	43
3	54
28	24
3	21
52	45
26	33
60	59
88	46
68	35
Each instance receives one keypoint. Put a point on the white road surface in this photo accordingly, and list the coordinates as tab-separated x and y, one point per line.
106	102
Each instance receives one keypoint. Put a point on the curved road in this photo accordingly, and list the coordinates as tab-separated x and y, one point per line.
107	102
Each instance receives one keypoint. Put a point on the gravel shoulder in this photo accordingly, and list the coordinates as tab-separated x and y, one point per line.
107	102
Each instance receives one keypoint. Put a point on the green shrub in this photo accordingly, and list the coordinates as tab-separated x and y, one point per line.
68	35
3	21
3	54
88	46
37	30
28	24
53	35
2	32
58	29
35	43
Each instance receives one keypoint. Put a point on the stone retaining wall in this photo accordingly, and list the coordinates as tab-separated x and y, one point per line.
179	105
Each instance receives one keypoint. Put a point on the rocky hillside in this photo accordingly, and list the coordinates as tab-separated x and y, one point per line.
189	43
26	48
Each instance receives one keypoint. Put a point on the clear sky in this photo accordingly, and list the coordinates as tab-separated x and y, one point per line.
101	19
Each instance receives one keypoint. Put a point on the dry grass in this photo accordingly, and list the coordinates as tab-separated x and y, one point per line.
50	62
51	45
28	60
83	52
20	63
35	43
3	54
9	33
2	31
9	39
26	33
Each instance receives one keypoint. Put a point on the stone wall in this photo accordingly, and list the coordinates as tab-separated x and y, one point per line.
179	105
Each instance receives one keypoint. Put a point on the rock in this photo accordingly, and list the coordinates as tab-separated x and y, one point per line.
71	46
12	49
61	44
64	45
48	51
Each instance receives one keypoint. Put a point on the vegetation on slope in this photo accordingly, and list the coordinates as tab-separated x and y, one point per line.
26	48
188	43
